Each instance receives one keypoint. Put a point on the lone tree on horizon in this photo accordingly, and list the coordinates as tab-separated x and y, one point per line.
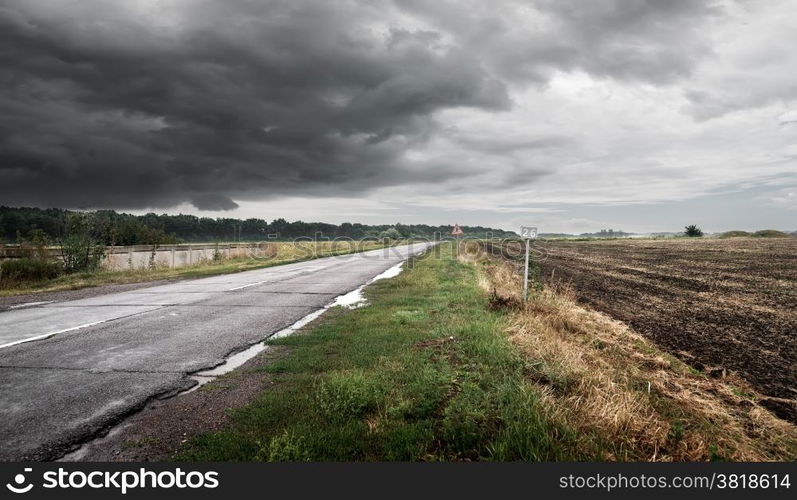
693	231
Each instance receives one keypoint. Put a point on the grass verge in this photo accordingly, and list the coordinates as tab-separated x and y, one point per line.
624	395
423	373
284	253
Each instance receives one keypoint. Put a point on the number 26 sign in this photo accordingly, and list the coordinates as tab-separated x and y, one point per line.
528	232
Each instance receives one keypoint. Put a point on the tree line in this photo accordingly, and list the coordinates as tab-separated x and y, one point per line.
19	225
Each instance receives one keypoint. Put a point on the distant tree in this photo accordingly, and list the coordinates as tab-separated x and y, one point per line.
403	230
391	233
693	231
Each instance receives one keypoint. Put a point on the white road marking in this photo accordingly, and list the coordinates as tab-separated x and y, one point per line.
31	304
247	286
47	335
288	274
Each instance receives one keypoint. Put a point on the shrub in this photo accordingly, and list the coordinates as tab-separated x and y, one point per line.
218	256
35	263
153	254
693	231
734	234
81	249
28	269
770	233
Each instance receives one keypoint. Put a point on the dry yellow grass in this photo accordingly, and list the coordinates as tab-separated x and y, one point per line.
630	400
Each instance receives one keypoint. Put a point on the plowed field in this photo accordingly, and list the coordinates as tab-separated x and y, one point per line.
719	304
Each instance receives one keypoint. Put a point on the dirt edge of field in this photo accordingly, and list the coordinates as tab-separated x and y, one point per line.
598	375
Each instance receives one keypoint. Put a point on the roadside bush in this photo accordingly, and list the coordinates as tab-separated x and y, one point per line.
217	255
153	262
81	249
35	263
28	269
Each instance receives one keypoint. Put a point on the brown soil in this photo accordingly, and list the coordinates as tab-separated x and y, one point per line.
720	305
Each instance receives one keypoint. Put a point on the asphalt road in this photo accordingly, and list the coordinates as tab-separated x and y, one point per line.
70	369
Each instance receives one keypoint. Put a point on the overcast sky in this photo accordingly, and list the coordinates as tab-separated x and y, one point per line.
572	115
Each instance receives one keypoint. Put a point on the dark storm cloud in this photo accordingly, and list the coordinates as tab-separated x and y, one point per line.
104	105
101	109
646	40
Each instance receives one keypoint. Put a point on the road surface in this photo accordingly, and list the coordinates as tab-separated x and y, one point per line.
69	370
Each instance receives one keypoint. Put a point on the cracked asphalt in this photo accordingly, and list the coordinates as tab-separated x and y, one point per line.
71	369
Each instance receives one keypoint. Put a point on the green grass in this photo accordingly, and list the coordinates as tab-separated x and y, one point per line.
422	373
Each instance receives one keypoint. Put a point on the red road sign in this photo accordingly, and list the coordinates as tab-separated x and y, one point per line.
457	231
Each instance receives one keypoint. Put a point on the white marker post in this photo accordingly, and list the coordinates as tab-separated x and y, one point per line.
528	233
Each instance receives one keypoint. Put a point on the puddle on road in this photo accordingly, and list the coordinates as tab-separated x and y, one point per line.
350	300
355	299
